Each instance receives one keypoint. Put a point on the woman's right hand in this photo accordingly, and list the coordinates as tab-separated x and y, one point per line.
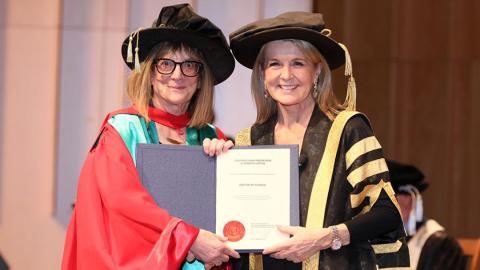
215	147
212	249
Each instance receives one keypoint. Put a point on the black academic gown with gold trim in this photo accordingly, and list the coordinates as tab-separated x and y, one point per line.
350	198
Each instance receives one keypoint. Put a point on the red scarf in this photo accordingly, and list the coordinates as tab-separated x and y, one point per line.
167	119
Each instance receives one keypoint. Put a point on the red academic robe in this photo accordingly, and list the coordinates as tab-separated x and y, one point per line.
116	223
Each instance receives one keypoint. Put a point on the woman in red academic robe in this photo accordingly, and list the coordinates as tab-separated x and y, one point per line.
116	223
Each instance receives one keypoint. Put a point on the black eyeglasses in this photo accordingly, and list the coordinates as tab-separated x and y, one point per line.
167	66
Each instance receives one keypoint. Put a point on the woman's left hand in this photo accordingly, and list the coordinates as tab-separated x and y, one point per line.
215	147
303	244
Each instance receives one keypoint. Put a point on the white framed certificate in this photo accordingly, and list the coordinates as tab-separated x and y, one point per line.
242	194
254	193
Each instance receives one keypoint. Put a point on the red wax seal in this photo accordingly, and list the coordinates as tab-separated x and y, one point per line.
234	231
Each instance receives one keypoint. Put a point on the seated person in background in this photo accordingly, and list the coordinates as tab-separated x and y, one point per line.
429	244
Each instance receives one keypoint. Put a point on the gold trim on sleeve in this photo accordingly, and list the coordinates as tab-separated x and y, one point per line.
391	194
372	191
366	170
361	147
387	248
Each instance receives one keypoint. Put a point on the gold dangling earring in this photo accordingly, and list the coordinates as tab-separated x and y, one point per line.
315	89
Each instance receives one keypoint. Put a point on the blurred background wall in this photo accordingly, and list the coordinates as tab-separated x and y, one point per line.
416	65
30	237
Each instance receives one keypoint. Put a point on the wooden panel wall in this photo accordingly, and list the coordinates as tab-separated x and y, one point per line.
417	67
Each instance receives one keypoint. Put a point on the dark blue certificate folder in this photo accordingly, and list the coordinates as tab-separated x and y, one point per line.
182	180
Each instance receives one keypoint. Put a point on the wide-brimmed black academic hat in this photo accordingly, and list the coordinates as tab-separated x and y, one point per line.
402	175
247	41
180	24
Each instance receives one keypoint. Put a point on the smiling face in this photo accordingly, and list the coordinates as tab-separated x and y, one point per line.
173	92
289	75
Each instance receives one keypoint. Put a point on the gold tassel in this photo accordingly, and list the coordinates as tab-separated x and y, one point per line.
129	49
351	96
137	60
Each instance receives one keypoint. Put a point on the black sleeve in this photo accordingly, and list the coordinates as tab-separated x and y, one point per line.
382	218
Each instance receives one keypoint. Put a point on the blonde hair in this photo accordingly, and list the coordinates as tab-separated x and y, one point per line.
326	99
140	92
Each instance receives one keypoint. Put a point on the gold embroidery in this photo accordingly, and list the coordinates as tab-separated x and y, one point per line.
311	263
387	248
243	137
361	147
255	261
366	170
